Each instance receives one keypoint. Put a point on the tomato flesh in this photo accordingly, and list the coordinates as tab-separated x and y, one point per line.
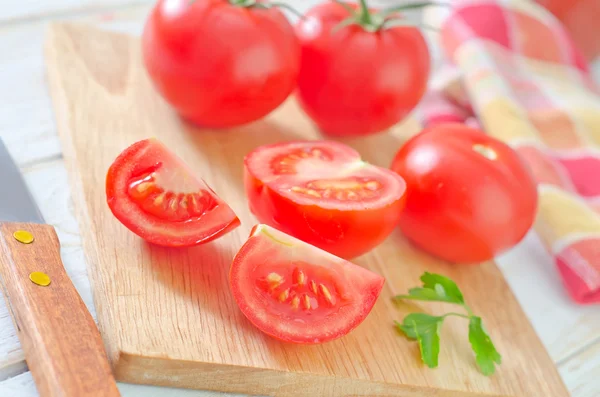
154	194
323	193
298	293
469	196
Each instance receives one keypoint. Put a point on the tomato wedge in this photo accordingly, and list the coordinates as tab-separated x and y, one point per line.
298	293
323	193
156	196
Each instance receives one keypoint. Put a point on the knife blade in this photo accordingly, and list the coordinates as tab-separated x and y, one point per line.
63	347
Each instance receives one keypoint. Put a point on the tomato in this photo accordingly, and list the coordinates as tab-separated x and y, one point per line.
220	64
358	79
298	293
323	193
155	195
469	196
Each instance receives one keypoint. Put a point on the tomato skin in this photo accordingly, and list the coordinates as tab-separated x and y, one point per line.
344	232
462	206
132	162
217	64
355	289
354	82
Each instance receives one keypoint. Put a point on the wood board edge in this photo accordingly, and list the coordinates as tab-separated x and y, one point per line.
167	372
61	117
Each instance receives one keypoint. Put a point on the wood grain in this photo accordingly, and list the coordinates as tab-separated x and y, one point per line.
167	316
62	345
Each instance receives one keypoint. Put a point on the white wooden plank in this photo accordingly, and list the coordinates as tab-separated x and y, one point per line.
26	10
26	119
582	373
23	386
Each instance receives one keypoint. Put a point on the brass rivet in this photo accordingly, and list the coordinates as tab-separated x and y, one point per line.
23	236
40	278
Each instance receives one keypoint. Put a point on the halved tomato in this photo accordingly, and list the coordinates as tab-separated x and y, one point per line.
298	293
323	193
154	194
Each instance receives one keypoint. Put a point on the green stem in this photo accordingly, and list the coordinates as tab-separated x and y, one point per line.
456	315
346	6
239	3
365	15
410	6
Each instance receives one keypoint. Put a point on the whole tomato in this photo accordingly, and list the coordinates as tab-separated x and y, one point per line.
220	63
469	196
358	78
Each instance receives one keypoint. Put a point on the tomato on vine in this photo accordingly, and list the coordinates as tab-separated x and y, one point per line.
361	70
221	63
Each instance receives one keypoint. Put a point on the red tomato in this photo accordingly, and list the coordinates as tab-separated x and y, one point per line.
298	293
353	81
220	64
469	196
155	195
323	193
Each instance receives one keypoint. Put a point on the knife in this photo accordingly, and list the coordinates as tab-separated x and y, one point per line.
62	345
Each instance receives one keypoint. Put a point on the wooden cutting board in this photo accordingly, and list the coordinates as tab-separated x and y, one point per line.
167	316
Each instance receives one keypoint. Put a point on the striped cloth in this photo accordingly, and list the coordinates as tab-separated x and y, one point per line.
512	69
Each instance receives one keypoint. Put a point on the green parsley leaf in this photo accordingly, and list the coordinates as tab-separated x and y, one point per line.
444	287
426	330
435	288
486	354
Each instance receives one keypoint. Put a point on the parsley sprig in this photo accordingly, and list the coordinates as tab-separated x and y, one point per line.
425	328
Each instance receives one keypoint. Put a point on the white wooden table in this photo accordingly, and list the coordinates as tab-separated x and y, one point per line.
571	333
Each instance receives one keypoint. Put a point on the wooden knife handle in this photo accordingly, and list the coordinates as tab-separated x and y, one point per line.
62	345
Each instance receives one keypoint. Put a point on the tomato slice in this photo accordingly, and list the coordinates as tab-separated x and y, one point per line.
323	193
156	196
298	293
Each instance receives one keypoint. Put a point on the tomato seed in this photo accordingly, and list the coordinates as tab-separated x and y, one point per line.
194	203
274	280
372	185
159	199
144	186
313	286
305	301
173	204
326	294
299	276
284	295
295	302
308	192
